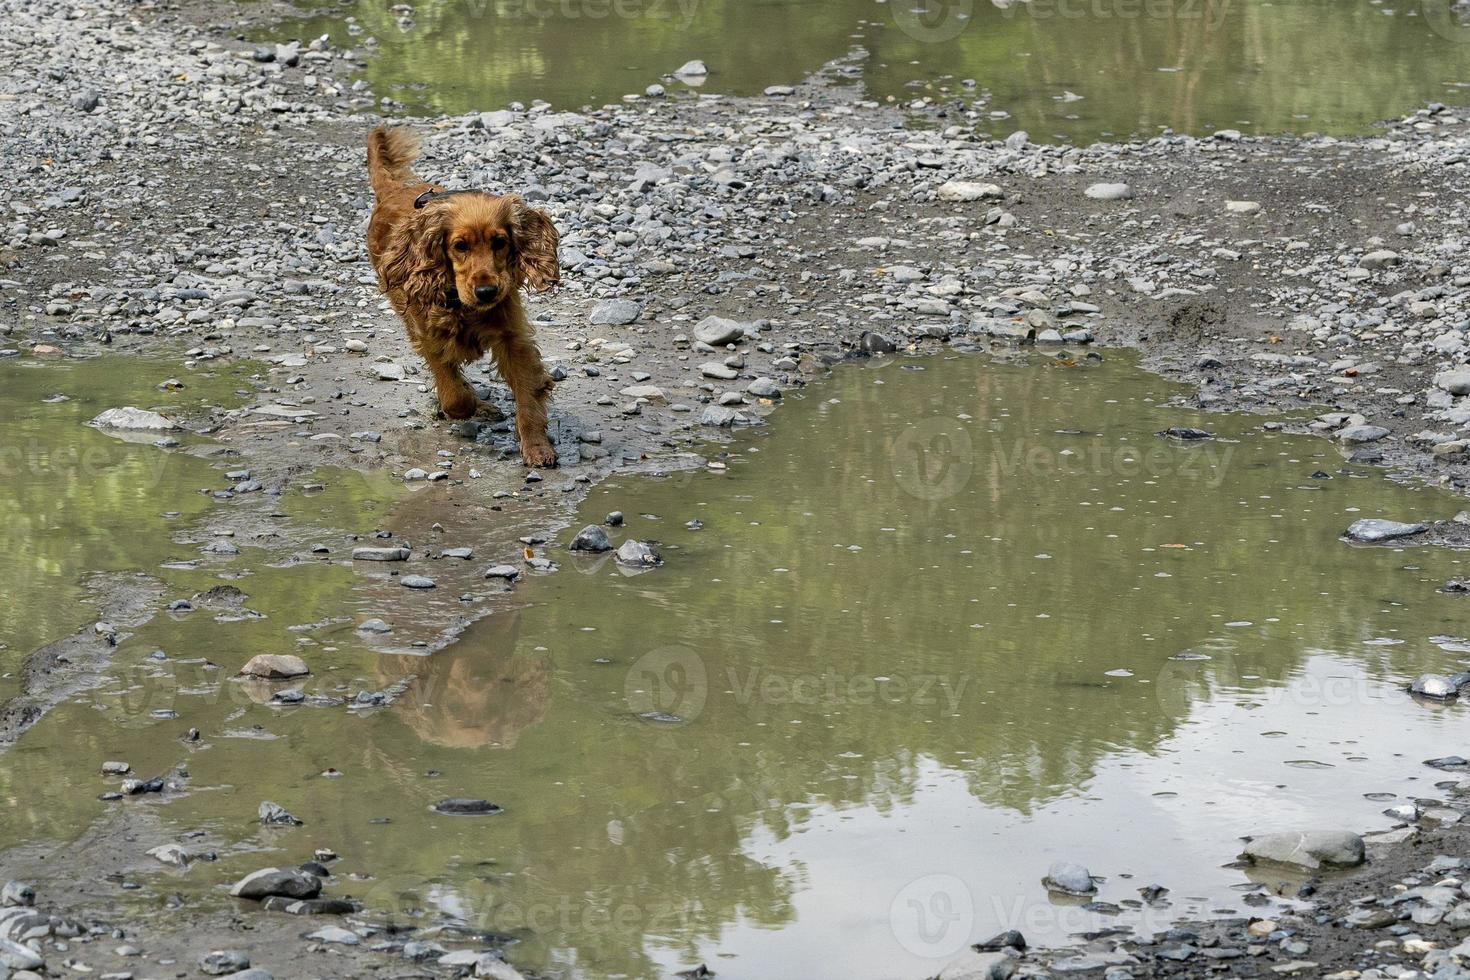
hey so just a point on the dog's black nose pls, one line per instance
(486, 294)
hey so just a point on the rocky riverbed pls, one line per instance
(173, 191)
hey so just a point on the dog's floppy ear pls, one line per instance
(535, 243)
(415, 260)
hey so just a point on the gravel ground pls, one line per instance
(172, 191)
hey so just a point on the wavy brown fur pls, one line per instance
(454, 270)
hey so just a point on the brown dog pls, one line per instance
(452, 264)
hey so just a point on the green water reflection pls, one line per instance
(76, 501)
(1330, 66)
(949, 621)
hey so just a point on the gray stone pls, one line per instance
(1358, 434)
(1382, 258)
(223, 961)
(1435, 686)
(967, 190)
(1373, 529)
(1307, 849)
(636, 554)
(1109, 192)
(287, 882)
(616, 313)
(335, 934)
(763, 388)
(171, 854)
(973, 965)
(1456, 381)
(275, 666)
(380, 554)
(276, 815)
(718, 331)
(17, 894)
(721, 372)
(591, 538)
(15, 956)
(1069, 878)
(135, 419)
(416, 582)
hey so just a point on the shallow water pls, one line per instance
(1328, 66)
(78, 501)
(947, 622)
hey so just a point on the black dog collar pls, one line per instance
(430, 196)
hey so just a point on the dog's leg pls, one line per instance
(519, 363)
(456, 397)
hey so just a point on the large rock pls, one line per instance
(1359, 434)
(1069, 878)
(591, 538)
(287, 882)
(967, 190)
(380, 554)
(1379, 259)
(1456, 381)
(637, 554)
(15, 956)
(223, 961)
(718, 331)
(132, 419)
(275, 666)
(1373, 529)
(1307, 849)
(616, 313)
(1109, 192)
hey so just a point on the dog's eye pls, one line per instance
(461, 246)
(499, 242)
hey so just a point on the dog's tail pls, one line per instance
(391, 153)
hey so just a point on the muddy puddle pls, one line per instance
(1075, 70)
(951, 620)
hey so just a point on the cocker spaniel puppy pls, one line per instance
(452, 263)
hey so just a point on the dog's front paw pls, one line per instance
(459, 406)
(538, 454)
